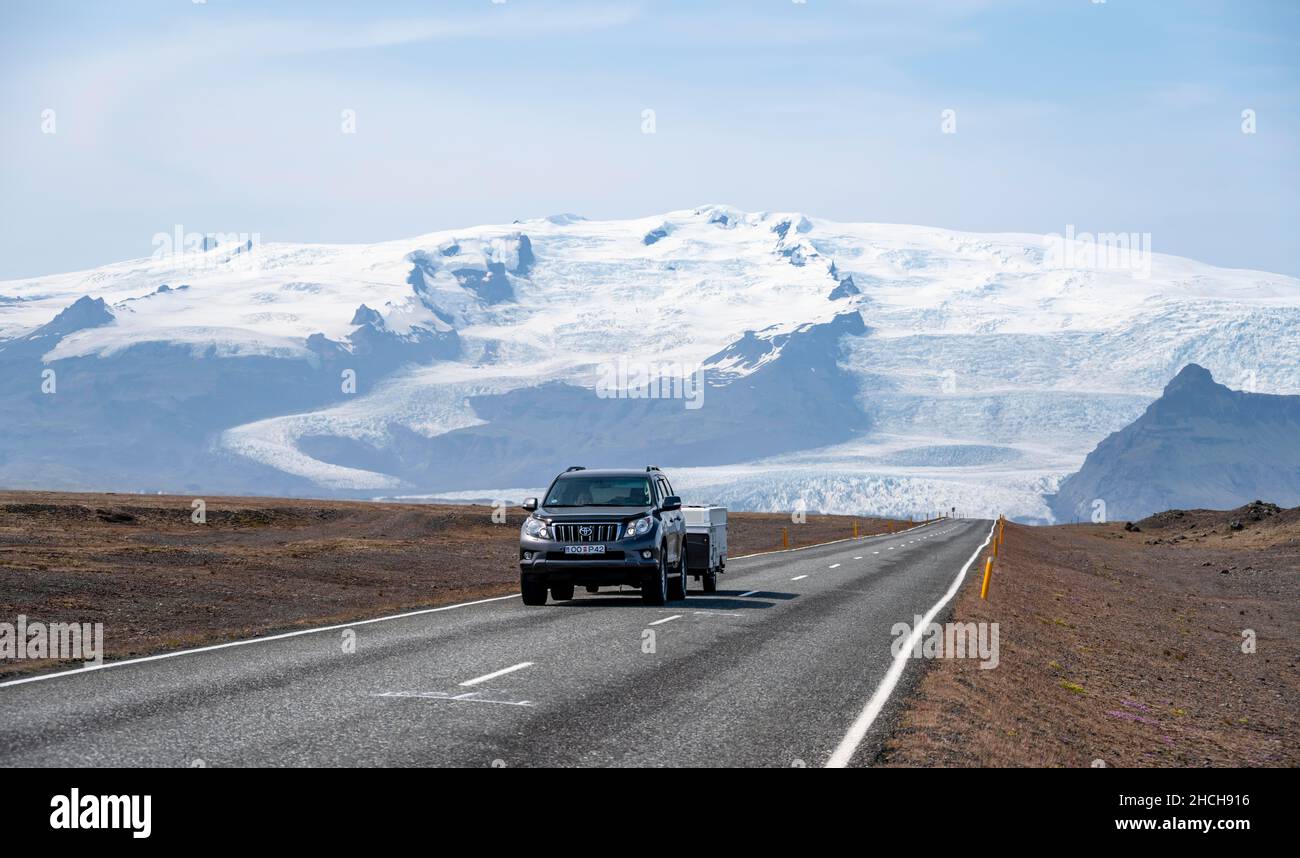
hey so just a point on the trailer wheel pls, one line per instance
(710, 581)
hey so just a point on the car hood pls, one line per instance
(592, 513)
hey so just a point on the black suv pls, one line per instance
(602, 528)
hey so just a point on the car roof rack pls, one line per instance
(574, 468)
(651, 467)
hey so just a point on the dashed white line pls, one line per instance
(833, 566)
(494, 674)
(457, 698)
(798, 577)
(666, 620)
(859, 557)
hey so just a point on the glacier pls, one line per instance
(848, 367)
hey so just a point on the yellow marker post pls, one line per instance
(996, 543)
(855, 530)
(785, 537)
(988, 573)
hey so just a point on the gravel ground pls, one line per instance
(1125, 646)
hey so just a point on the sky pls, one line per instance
(120, 121)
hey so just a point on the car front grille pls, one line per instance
(594, 532)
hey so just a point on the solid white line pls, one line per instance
(160, 656)
(833, 566)
(666, 620)
(494, 674)
(798, 577)
(750, 593)
(849, 744)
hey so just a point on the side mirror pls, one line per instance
(530, 504)
(671, 503)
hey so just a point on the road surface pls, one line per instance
(775, 669)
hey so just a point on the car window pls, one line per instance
(599, 491)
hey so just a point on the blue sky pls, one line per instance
(226, 117)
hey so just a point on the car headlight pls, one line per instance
(640, 527)
(536, 528)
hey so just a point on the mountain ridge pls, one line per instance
(987, 371)
(1200, 445)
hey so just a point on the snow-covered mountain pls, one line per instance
(1200, 445)
(846, 367)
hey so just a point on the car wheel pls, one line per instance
(534, 592)
(654, 590)
(591, 589)
(562, 592)
(711, 581)
(678, 587)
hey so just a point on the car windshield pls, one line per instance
(600, 491)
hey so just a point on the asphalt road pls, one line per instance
(772, 670)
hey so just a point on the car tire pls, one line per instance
(533, 592)
(711, 581)
(592, 589)
(654, 590)
(677, 590)
(562, 592)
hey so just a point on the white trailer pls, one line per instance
(706, 543)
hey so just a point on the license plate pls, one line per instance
(584, 549)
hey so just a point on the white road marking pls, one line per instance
(455, 698)
(750, 593)
(859, 557)
(798, 577)
(815, 545)
(833, 566)
(665, 620)
(106, 665)
(849, 744)
(494, 674)
(875, 552)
